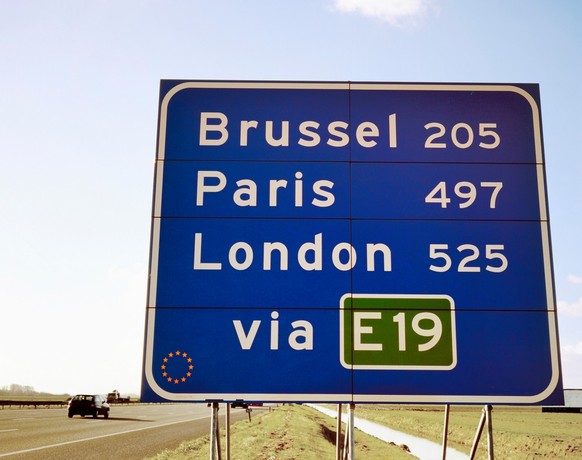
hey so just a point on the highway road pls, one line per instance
(131, 432)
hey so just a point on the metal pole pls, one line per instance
(490, 452)
(218, 450)
(215, 453)
(212, 433)
(477, 435)
(346, 450)
(352, 440)
(227, 422)
(338, 434)
(446, 431)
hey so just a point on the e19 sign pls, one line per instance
(350, 242)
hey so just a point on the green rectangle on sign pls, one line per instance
(382, 331)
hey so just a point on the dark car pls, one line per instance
(88, 405)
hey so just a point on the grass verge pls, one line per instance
(519, 433)
(290, 432)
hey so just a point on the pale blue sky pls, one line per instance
(78, 114)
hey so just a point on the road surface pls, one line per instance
(131, 432)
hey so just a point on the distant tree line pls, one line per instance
(19, 390)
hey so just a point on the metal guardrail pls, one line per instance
(36, 404)
(46, 404)
(562, 409)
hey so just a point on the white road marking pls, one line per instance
(98, 437)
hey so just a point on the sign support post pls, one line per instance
(485, 417)
(338, 434)
(215, 453)
(227, 421)
(490, 451)
(446, 431)
(350, 444)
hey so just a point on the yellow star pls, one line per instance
(176, 381)
(163, 366)
(165, 360)
(171, 355)
(190, 367)
(189, 360)
(164, 374)
(177, 352)
(184, 354)
(183, 379)
(169, 379)
(188, 374)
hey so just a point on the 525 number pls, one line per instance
(471, 254)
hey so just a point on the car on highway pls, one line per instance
(85, 404)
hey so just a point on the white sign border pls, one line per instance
(356, 398)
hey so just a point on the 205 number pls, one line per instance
(462, 136)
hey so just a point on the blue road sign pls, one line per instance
(350, 242)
